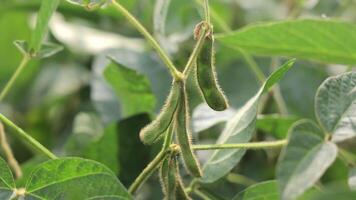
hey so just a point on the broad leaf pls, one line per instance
(335, 106)
(93, 141)
(7, 184)
(133, 89)
(304, 160)
(352, 179)
(322, 40)
(239, 130)
(74, 178)
(275, 124)
(267, 190)
(204, 117)
(47, 9)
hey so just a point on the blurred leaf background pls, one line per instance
(67, 103)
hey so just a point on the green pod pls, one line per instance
(184, 137)
(153, 131)
(168, 178)
(206, 77)
(180, 193)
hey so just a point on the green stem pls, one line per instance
(240, 179)
(251, 145)
(133, 21)
(201, 194)
(206, 11)
(12, 80)
(253, 66)
(347, 157)
(147, 172)
(196, 50)
(27, 138)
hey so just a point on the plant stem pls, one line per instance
(253, 66)
(206, 11)
(251, 145)
(147, 172)
(12, 80)
(202, 195)
(133, 21)
(27, 138)
(240, 179)
(8, 153)
(196, 50)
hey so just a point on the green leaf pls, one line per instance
(133, 89)
(93, 141)
(335, 106)
(304, 160)
(7, 183)
(89, 4)
(47, 9)
(239, 130)
(74, 178)
(275, 124)
(267, 190)
(322, 40)
(352, 179)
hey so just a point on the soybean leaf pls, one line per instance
(74, 178)
(7, 183)
(47, 9)
(93, 141)
(322, 40)
(267, 190)
(133, 89)
(89, 4)
(275, 124)
(352, 179)
(239, 129)
(304, 160)
(335, 106)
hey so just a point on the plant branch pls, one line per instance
(9, 154)
(133, 21)
(201, 194)
(147, 172)
(198, 46)
(13, 78)
(251, 145)
(27, 138)
(207, 11)
(240, 179)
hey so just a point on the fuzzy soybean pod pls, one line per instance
(168, 178)
(184, 137)
(207, 79)
(153, 131)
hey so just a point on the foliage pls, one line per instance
(258, 99)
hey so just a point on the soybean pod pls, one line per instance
(152, 132)
(168, 177)
(206, 76)
(184, 137)
(180, 192)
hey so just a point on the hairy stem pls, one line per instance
(12, 80)
(207, 11)
(202, 195)
(251, 145)
(9, 154)
(196, 50)
(27, 138)
(147, 172)
(133, 21)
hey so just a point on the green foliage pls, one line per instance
(304, 160)
(135, 98)
(335, 106)
(83, 104)
(321, 40)
(239, 129)
(44, 15)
